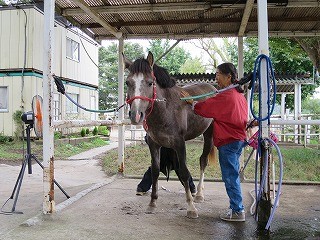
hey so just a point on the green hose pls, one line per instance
(199, 96)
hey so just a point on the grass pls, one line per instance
(13, 152)
(300, 164)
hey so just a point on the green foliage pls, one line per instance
(3, 3)
(95, 131)
(299, 163)
(5, 139)
(287, 57)
(103, 130)
(57, 135)
(18, 133)
(108, 66)
(14, 151)
(312, 106)
(87, 131)
(83, 132)
(193, 65)
(173, 60)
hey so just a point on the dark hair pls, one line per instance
(229, 68)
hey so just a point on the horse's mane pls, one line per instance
(163, 78)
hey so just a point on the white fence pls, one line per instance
(303, 131)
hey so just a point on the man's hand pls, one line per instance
(252, 123)
(194, 103)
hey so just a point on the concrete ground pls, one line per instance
(103, 207)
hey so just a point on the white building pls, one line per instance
(21, 65)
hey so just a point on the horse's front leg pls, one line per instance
(155, 171)
(192, 212)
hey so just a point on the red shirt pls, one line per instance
(229, 110)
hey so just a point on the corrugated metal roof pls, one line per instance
(187, 19)
(285, 83)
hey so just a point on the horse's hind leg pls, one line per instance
(207, 146)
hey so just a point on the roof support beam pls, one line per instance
(207, 35)
(245, 17)
(88, 10)
(142, 8)
(199, 21)
(172, 7)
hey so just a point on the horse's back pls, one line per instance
(199, 89)
(196, 124)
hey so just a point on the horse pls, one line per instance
(154, 100)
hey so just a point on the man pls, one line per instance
(168, 162)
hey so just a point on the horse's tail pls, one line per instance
(213, 156)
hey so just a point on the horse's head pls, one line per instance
(141, 89)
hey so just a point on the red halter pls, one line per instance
(152, 100)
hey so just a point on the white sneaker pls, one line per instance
(231, 216)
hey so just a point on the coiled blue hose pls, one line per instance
(260, 119)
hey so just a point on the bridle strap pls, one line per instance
(152, 100)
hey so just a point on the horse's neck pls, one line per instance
(168, 100)
(169, 93)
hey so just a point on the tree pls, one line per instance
(312, 47)
(193, 65)
(216, 53)
(173, 60)
(108, 72)
(312, 106)
(287, 57)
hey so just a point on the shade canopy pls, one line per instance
(187, 19)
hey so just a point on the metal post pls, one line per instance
(283, 111)
(264, 207)
(121, 130)
(240, 57)
(297, 111)
(240, 75)
(48, 147)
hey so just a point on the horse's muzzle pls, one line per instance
(136, 117)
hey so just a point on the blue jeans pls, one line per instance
(229, 163)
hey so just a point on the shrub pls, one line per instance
(5, 139)
(95, 131)
(83, 132)
(103, 130)
(87, 131)
(18, 133)
(57, 135)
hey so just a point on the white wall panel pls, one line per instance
(12, 53)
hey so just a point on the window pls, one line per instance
(70, 106)
(73, 50)
(56, 106)
(93, 106)
(3, 99)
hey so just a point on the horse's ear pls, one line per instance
(127, 62)
(150, 59)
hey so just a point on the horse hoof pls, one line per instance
(198, 199)
(192, 214)
(150, 210)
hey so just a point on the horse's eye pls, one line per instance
(127, 83)
(150, 84)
